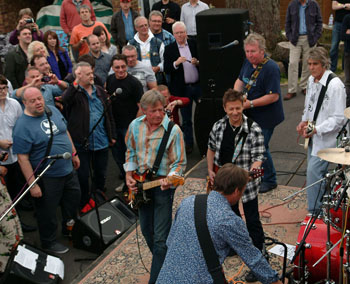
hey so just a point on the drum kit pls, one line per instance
(323, 247)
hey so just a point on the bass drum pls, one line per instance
(336, 217)
(315, 249)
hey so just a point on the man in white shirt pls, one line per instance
(328, 122)
(189, 11)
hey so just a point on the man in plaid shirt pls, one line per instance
(237, 139)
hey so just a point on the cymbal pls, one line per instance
(335, 155)
(347, 112)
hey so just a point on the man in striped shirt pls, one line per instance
(143, 140)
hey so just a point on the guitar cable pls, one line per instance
(139, 249)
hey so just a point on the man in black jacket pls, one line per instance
(85, 103)
(181, 62)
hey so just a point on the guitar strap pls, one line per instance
(161, 149)
(321, 96)
(205, 240)
(254, 76)
(48, 113)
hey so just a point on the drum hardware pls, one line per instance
(327, 176)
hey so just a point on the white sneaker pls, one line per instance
(119, 189)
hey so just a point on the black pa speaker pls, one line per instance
(115, 219)
(220, 35)
(18, 267)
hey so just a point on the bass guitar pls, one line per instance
(142, 195)
(253, 174)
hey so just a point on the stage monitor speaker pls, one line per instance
(220, 35)
(17, 271)
(207, 112)
(115, 219)
(219, 65)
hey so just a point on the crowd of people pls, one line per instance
(125, 92)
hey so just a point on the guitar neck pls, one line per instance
(151, 184)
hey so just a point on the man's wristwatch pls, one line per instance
(251, 104)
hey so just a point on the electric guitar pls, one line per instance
(253, 174)
(142, 195)
(309, 129)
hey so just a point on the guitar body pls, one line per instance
(143, 184)
(141, 196)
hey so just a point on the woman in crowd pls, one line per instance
(59, 60)
(26, 18)
(36, 48)
(106, 45)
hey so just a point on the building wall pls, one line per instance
(9, 12)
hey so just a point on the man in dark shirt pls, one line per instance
(171, 13)
(126, 92)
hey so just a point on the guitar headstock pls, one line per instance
(176, 180)
(256, 172)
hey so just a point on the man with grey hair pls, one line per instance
(182, 64)
(263, 103)
(83, 30)
(189, 11)
(59, 185)
(150, 49)
(155, 19)
(321, 124)
(91, 123)
(139, 69)
(143, 141)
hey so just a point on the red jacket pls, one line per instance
(175, 113)
(69, 16)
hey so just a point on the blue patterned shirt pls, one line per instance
(184, 261)
(142, 148)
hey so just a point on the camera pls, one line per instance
(46, 79)
(29, 21)
(168, 113)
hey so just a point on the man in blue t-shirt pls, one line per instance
(59, 185)
(263, 104)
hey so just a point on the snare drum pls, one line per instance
(315, 248)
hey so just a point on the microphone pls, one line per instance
(64, 156)
(233, 43)
(117, 92)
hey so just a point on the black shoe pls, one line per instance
(266, 187)
(56, 247)
(27, 228)
(250, 277)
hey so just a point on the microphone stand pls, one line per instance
(28, 188)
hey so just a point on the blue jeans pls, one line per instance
(119, 149)
(316, 169)
(335, 45)
(96, 162)
(155, 221)
(269, 177)
(63, 191)
(193, 92)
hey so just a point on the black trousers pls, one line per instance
(57, 191)
(251, 213)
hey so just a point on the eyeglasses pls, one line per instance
(3, 89)
(156, 21)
